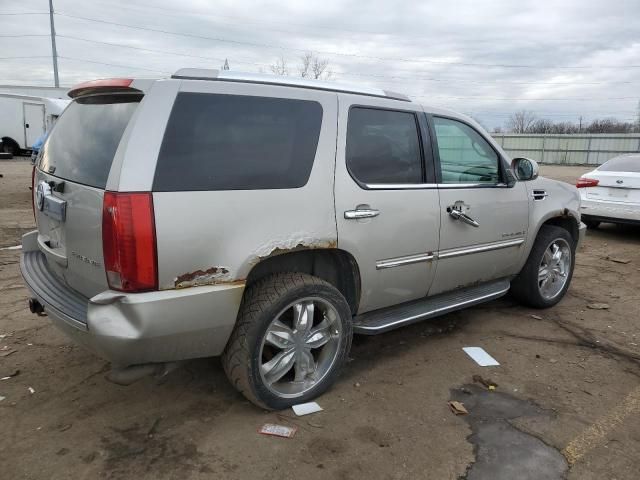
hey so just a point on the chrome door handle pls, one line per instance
(361, 213)
(463, 217)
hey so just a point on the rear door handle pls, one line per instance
(361, 213)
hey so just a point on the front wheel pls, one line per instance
(547, 274)
(291, 339)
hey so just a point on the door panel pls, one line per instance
(483, 221)
(390, 227)
(492, 250)
(33, 123)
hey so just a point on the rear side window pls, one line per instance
(233, 142)
(84, 141)
(383, 147)
(625, 163)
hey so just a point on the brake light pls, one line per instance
(33, 184)
(129, 241)
(102, 85)
(587, 182)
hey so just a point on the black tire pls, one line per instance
(525, 288)
(261, 303)
(591, 224)
(10, 147)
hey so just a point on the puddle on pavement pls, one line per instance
(502, 451)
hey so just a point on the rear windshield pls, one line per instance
(629, 163)
(82, 145)
(234, 142)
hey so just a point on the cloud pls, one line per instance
(465, 55)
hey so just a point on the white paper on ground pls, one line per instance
(306, 408)
(17, 247)
(481, 357)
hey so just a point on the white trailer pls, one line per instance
(24, 118)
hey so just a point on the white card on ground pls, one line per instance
(481, 357)
(306, 408)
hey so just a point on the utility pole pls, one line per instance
(54, 52)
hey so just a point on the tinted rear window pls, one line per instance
(85, 138)
(630, 163)
(232, 142)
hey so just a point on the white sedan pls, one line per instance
(611, 192)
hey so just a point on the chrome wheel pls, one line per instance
(300, 347)
(554, 269)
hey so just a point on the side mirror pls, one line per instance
(525, 169)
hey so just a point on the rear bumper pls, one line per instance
(610, 211)
(131, 329)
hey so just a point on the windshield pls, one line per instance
(84, 140)
(626, 163)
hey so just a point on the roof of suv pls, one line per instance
(227, 76)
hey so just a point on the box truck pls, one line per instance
(24, 118)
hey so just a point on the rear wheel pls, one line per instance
(9, 146)
(547, 274)
(292, 337)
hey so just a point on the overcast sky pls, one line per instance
(560, 59)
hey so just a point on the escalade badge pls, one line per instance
(42, 191)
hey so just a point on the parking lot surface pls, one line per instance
(566, 405)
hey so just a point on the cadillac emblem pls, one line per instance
(41, 192)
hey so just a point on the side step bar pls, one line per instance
(385, 319)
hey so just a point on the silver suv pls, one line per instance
(267, 219)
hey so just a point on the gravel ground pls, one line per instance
(568, 384)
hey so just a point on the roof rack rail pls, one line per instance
(226, 76)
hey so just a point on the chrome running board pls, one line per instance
(385, 319)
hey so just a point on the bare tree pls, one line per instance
(311, 66)
(280, 67)
(314, 67)
(305, 68)
(542, 125)
(599, 125)
(521, 121)
(609, 125)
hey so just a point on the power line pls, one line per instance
(25, 35)
(131, 67)
(244, 22)
(410, 94)
(163, 52)
(342, 74)
(25, 56)
(483, 97)
(352, 55)
(24, 13)
(451, 79)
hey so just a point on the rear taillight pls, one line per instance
(587, 182)
(33, 182)
(129, 241)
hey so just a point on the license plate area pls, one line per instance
(618, 193)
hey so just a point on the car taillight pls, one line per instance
(587, 182)
(33, 181)
(129, 241)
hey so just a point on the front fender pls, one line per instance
(562, 202)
